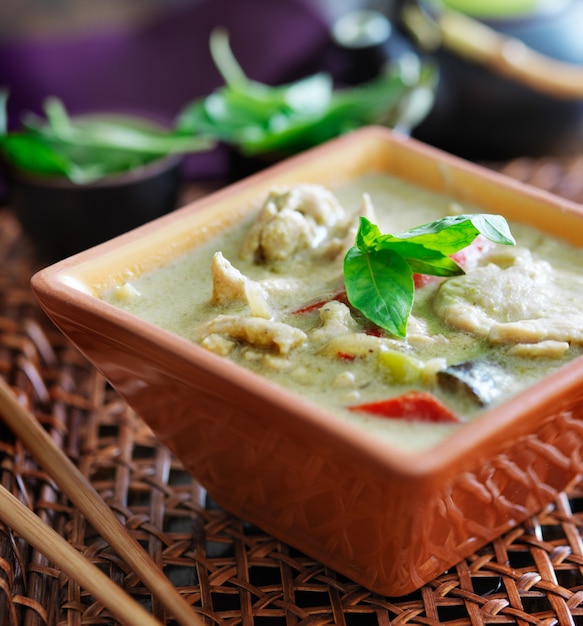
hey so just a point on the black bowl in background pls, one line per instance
(481, 115)
(62, 218)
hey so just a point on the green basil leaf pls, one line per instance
(493, 227)
(113, 135)
(380, 285)
(452, 233)
(367, 235)
(421, 259)
(282, 120)
(437, 266)
(424, 260)
(33, 154)
(87, 148)
(311, 95)
(57, 117)
(225, 60)
(378, 270)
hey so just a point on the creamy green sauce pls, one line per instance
(178, 297)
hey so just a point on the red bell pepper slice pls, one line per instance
(340, 296)
(420, 406)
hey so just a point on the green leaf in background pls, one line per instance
(33, 154)
(261, 119)
(88, 148)
(378, 269)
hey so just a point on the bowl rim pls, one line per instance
(62, 281)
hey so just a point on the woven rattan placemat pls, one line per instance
(230, 572)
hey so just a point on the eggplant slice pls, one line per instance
(481, 380)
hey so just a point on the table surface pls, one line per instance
(230, 572)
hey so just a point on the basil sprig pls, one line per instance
(261, 119)
(85, 149)
(378, 270)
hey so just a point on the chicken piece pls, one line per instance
(314, 201)
(355, 345)
(506, 256)
(288, 232)
(525, 302)
(344, 381)
(230, 285)
(341, 245)
(336, 320)
(300, 218)
(257, 300)
(543, 349)
(218, 344)
(251, 247)
(228, 281)
(566, 328)
(258, 332)
(281, 285)
(419, 334)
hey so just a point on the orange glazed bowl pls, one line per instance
(389, 520)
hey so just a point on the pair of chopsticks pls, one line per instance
(79, 490)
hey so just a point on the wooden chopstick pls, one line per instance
(30, 527)
(81, 492)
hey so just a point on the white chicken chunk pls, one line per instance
(291, 220)
(524, 301)
(218, 344)
(543, 349)
(340, 245)
(255, 331)
(336, 320)
(355, 345)
(230, 285)
(228, 281)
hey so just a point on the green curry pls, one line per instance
(271, 296)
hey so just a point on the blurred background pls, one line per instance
(152, 56)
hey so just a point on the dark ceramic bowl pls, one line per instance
(62, 218)
(481, 115)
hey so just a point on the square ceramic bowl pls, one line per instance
(388, 520)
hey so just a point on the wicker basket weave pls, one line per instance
(230, 572)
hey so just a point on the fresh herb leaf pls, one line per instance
(88, 148)
(260, 119)
(380, 285)
(33, 154)
(367, 235)
(378, 269)
(459, 232)
(225, 60)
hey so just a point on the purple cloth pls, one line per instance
(158, 67)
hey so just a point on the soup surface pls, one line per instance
(269, 295)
